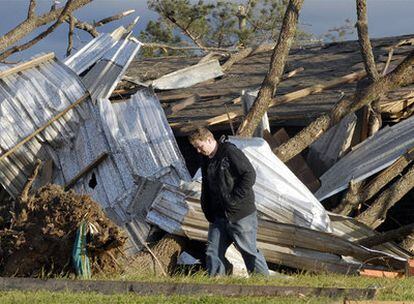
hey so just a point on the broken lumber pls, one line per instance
(27, 65)
(317, 88)
(181, 105)
(283, 237)
(289, 97)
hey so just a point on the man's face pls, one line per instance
(205, 147)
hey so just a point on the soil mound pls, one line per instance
(42, 233)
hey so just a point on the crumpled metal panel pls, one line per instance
(102, 79)
(90, 53)
(141, 131)
(279, 194)
(189, 76)
(371, 156)
(106, 182)
(28, 100)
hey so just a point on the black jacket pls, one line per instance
(227, 187)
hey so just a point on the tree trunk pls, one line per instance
(375, 215)
(392, 235)
(277, 65)
(374, 121)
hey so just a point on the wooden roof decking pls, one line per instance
(320, 63)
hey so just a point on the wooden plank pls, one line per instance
(298, 164)
(381, 274)
(154, 288)
(86, 170)
(27, 65)
(182, 104)
(289, 97)
(42, 128)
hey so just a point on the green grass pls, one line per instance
(389, 289)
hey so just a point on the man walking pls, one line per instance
(227, 200)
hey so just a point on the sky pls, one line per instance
(385, 17)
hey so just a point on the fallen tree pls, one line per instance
(402, 75)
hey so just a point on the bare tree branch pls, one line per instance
(364, 42)
(277, 65)
(84, 26)
(68, 7)
(184, 29)
(177, 47)
(29, 25)
(113, 18)
(244, 53)
(70, 35)
(32, 8)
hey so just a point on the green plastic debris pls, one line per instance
(79, 255)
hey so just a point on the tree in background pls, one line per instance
(219, 24)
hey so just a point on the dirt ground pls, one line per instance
(39, 240)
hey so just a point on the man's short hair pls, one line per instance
(201, 134)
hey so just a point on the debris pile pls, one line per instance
(117, 148)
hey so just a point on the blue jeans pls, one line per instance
(222, 233)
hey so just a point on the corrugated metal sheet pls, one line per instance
(280, 195)
(28, 100)
(325, 151)
(90, 53)
(102, 79)
(140, 130)
(189, 76)
(371, 156)
(137, 137)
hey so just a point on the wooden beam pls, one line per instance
(168, 289)
(86, 170)
(27, 65)
(42, 128)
